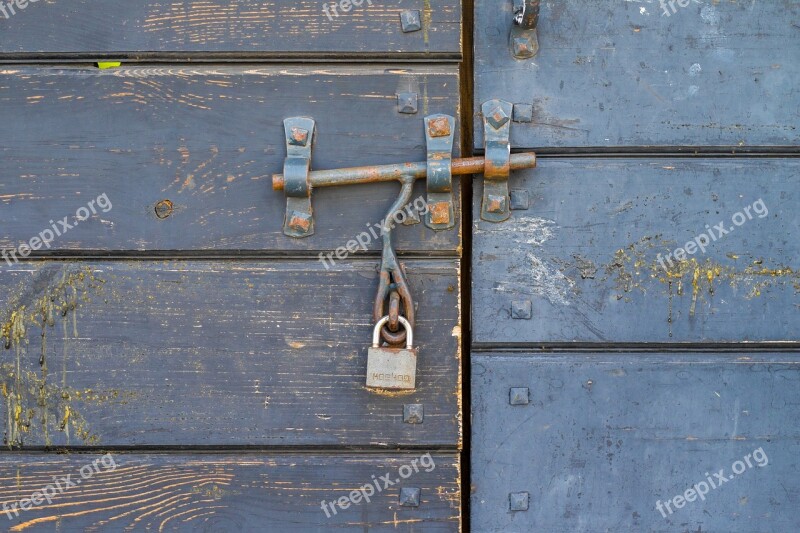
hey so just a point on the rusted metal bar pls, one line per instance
(378, 173)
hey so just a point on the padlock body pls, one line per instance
(392, 368)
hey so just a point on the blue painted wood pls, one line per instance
(244, 29)
(592, 254)
(636, 74)
(217, 353)
(225, 492)
(208, 139)
(606, 436)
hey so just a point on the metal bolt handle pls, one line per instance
(380, 173)
(376, 333)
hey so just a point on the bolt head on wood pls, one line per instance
(413, 413)
(299, 221)
(520, 200)
(439, 127)
(518, 396)
(521, 310)
(410, 20)
(523, 112)
(407, 103)
(518, 501)
(299, 137)
(409, 496)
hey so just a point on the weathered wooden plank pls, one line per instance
(213, 353)
(276, 492)
(242, 28)
(605, 437)
(709, 74)
(208, 140)
(592, 254)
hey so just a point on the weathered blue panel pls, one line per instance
(644, 74)
(594, 257)
(208, 140)
(225, 29)
(258, 492)
(605, 437)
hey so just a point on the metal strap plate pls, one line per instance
(439, 134)
(496, 131)
(299, 221)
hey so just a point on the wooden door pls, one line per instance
(635, 322)
(211, 368)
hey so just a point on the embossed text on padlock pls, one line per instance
(392, 368)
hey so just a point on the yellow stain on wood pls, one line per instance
(28, 392)
(633, 266)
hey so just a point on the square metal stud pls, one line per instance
(520, 200)
(521, 310)
(299, 221)
(413, 413)
(519, 396)
(497, 117)
(496, 203)
(410, 20)
(409, 496)
(407, 103)
(518, 501)
(523, 113)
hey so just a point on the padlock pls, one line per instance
(392, 368)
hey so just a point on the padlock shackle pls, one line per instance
(376, 333)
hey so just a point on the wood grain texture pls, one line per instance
(238, 28)
(606, 436)
(628, 75)
(208, 140)
(218, 353)
(249, 493)
(592, 254)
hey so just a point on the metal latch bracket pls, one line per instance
(524, 39)
(439, 134)
(299, 220)
(495, 206)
